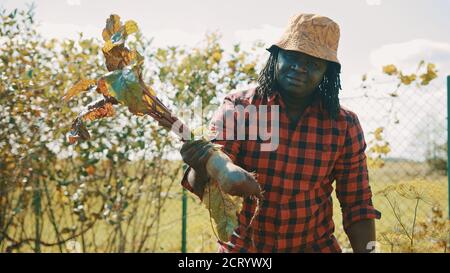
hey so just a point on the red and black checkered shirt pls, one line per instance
(297, 178)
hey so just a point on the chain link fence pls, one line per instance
(407, 157)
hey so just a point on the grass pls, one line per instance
(202, 239)
(200, 235)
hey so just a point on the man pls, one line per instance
(319, 142)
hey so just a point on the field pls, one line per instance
(156, 224)
(435, 190)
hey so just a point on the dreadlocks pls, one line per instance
(328, 88)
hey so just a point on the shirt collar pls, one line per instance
(275, 97)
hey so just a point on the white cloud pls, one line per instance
(373, 2)
(408, 54)
(73, 2)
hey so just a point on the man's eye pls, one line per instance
(314, 64)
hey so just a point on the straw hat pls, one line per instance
(312, 34)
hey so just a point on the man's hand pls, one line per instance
(196, 155)
(361, 234)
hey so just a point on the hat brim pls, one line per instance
(272, 48)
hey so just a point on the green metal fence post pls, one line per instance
(183, 218)
(448, 151)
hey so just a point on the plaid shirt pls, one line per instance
(297, 178)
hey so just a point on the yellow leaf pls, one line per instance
(151, 91)
(136, 57)
(385, 149)
(378, 133)
(390, 69)
(104, 110)
(118, 57)
(223, 208)
(232, 64)
(375, 163)
(105, 35)
(115, 22)
(217, 56)
(150, 101)
(108, 46)
(248, 68)
(407, 79)
(130, 27)
(430, 75)
(112, 26)
(81, 86)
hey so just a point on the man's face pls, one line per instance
(299, 74)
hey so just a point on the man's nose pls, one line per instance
(300, 67)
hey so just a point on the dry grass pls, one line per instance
(202, 239)
(167, 236)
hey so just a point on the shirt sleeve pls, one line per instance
(222, 133)
(352, 179)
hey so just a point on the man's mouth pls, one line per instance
(295, 81)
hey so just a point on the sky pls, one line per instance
(373, 32)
